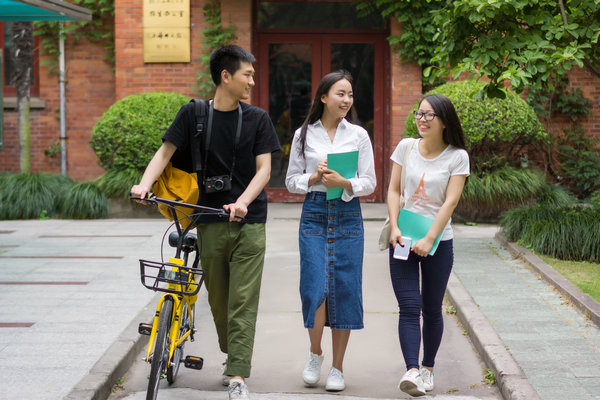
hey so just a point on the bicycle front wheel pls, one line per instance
(161, 348)
(185, 326)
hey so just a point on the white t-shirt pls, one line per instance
(427, 179)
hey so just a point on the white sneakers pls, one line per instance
(412, 383)
(312, 371)
(427, 377)
(335, 380)
(312, 374)
(238, 390)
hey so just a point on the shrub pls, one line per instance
(487, 195)
(579, 156)
(130, 131)
(117, 183)
(28, 196)
(494, 128)
(567, 233)
(84, 201)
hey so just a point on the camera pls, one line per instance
(214, 184)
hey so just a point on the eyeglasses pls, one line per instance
(428, 116)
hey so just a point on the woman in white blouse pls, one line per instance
(331, 232)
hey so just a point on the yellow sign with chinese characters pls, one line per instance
(166, 31)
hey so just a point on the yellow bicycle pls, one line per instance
(173, 322)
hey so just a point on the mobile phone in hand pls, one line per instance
(400, 252)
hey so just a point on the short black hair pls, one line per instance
(228, 58)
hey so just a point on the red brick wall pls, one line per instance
(133, 76)
(405, 91)
(89, 92)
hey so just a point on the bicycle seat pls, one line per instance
(188, 241)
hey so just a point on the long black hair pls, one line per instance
(317, 106)
(444, 110)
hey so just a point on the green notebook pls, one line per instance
(344, 164)
(416, 227)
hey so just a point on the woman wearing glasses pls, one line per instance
(437, 166)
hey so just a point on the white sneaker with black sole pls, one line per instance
(412, 383)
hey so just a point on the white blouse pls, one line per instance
(348, 137)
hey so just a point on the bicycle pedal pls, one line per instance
(193, 362)
(144, 329)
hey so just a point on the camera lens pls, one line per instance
(219, 184)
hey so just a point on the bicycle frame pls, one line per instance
(179, 302)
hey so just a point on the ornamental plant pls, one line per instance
(129, 133)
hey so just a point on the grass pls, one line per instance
(584, 275)
(567, 233)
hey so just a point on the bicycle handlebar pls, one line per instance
(152, 198)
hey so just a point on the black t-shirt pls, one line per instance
(257, 137)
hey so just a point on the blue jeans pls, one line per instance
(412, 299)
(331, 242)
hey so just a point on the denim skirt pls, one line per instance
(331, 240)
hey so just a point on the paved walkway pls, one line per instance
(58, 279)
(556, 347)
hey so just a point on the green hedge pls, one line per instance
(40, 196)
(489, 194)
(129, 133)
(567, 233)
(492, 127)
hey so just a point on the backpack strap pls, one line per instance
(195, 139)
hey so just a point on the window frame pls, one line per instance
(10, 90)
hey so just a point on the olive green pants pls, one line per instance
(232, 256)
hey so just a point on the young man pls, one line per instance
(232, 253)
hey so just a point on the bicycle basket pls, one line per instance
(171, 278)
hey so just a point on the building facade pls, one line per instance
(295, 43)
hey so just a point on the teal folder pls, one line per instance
(344, 164)
(416, 227)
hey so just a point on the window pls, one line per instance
(314, 15)
(8, 70)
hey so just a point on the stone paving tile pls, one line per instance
(557, 348)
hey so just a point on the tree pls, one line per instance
(524, 42)
(22, 36)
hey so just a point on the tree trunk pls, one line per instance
(22, 53)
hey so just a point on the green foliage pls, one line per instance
(495, 129)
(520, 41)
(29, 196)
(579, 156)
(84, 201)
(117, 183)
(215, 36)
(489, 376)
(556, 97)
(130, 131)
(567, 233)
(416, 41)
(487, 195)
(100, 29)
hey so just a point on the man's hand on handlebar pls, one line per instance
(140, 192)
(237, 211)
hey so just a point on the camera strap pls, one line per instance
(238, 133)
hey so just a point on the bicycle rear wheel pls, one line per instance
(161, 348)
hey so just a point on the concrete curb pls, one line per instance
(583, 302)
(510, 378)
(116, 361)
